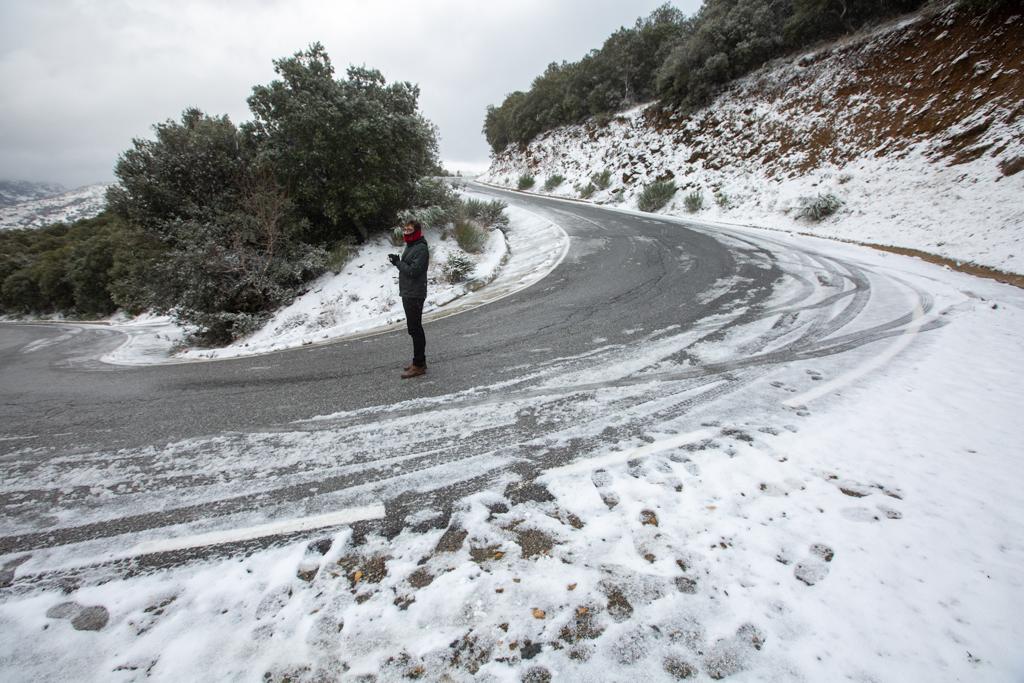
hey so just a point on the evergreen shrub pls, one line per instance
(471, 238)
(339, 255)
(656, 195)
(457, 268)
(819, 207)
(694, 201)
(601, 179)
(553, 182)
(489, 214)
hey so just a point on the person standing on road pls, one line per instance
(412, 287)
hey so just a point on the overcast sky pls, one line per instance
(81, 78)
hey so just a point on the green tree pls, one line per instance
(499, 123)
(619, 74)
(813, 20)
(50, 273)
(229, 248)
(191, 171)
(348, 152)
(683, 62)
(19, 292)
(727, 39)
(88, 263)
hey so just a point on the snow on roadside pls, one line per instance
(968, 212)
(363, 297)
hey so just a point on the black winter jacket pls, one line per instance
(412, 270)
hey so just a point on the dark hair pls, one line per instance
(415, 224)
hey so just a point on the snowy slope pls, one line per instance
(66, 207)
(917, 128)
(18, 191)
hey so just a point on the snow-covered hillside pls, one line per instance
(18, 191)
(65, 207)
(916, 127)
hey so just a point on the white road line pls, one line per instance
(588, 464)
(288, 526)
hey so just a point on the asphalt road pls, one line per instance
(647, 326)
(623, 273)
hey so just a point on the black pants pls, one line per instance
(414, 323)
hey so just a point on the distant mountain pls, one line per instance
(41, 204)
(18, 191)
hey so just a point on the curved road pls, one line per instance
(624, 273)
(647, 327)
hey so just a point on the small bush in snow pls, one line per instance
(473, 208)
(458, 267)
(292, 322)
(339, 256)
(602, 179)
(217, 329)
(656, 195)
(471, 238)
(553, 182)
(694, 201)
(488, 214)
(525, 181)
(587, 191)
(819, 207)
(723, 201)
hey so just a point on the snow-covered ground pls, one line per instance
(914, 127)
(363, 297)
(850, 514)
(19, 191)
(904, 202)
(66, 207)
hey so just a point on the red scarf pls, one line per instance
(409, 239)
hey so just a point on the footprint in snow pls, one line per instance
(734, 654)
(662, 466)
(309, 566)
(855, 489)
(800, 410)
(815, 568)
(635, 468)
(83, 618)
(863, 514)
(601, 480)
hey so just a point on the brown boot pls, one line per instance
(414, 371)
